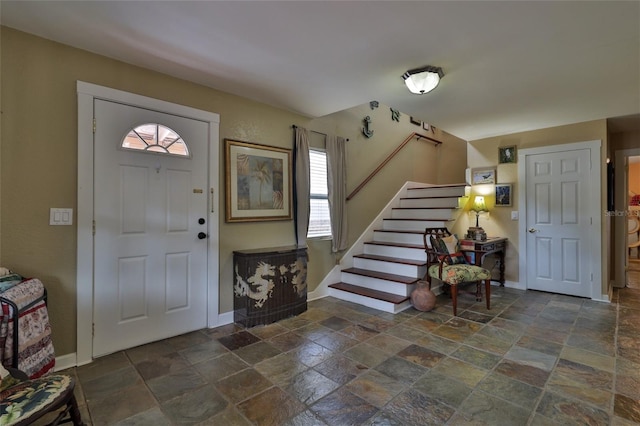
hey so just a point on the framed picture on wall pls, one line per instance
(483, 176)
(258, 182)
(503, 194)
(507, 154)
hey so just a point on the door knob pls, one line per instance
(532, 230)
(202, 235)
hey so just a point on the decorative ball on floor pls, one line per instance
(422, 298)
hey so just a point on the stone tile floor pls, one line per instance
(533, 359)
(633, 276)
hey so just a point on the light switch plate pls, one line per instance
(514, 215)
(60, 216)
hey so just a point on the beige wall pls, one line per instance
(418, 161)
(39, 163)
(484, 152)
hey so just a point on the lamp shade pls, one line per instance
(479, 204)
(422, 80)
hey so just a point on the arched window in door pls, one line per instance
(157, 138)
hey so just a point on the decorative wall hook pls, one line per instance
(395, 114)
(365, 130)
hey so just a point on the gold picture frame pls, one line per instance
(483, 176)
(504, 194)
(258, 182)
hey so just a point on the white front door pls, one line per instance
(150, 214)
(558, 222)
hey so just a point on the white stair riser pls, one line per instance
(427, 214)
(421, 207)
(369, 302)
(413, 225)
(393, 251)
(398, 237)
(389, 267)
(429, 202)
(436, 192)
(377, 284)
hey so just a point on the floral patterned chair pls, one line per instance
(447, 263)
(23, 401)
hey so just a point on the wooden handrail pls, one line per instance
(406, 141)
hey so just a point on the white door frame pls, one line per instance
(87, 92)
(595, 211)
(621, 176)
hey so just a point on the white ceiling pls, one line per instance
(509, 66)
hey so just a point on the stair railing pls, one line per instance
(384, 163)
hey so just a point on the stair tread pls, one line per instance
(399, 231)
(448, 185)
(423, 220)
(375, 294)
(404, 245)
(431, 197)
(403, 279)
(401, 260)
(423, 208)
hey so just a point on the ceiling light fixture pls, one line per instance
(422, 80)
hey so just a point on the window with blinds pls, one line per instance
(319, 219)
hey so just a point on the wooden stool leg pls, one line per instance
(487, 287)
(454, 298)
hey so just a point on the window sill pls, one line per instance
(323, 238)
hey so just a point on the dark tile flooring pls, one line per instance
(633, 274)
(533, 359)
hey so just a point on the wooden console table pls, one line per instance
(476, 251)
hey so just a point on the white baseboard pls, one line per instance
(514, 284)
(64, 362)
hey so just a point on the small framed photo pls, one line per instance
(483, 176)
(503, 195)
(258, 182)
(507, 154)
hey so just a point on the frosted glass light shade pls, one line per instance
(422, 80)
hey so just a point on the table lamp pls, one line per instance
(479, 206)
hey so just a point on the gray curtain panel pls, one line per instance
(337, 182)
(302, 185)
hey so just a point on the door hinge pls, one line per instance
(93, 227)
(94, 125)
(93, 329)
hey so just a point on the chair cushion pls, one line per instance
(29, 398)
(457, 274)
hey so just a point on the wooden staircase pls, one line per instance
(384, 276)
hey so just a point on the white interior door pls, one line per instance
(150, 214)
(558, 222)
